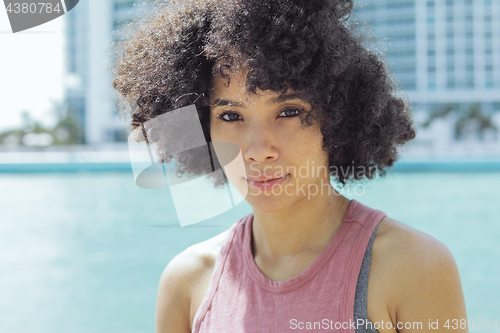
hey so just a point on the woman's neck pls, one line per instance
(306, 226)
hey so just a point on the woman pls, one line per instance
(293, 87)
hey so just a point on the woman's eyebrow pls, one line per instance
(285, 97)
(274, 100)
(224, 102)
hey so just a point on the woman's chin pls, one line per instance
(268, 203)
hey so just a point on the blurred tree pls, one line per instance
(67, 130)
(439, 112)
(474, 118)
(470, 120)
(28, 122)
(11, 137)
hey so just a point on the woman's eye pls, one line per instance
(288, 113)
(230, 116)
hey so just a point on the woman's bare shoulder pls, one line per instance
(408, 254)
(415, 271)
(393, 234)
(402, 242)
(198, 257)
(180, 280)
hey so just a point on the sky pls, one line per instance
(31, 71)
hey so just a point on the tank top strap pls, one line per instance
(365, 221)
(361, 298)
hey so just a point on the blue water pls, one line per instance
(83, 252)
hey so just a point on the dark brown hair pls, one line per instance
(167, 61)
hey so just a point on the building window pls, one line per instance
(399, 4)
(367, 7)
(408, 85)
(400, 53)
(400, 21)
(404, 37)
(410, 69)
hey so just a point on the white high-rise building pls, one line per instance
(442, 52)
(90, 27)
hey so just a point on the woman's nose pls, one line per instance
(260, 145)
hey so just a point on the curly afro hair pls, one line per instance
(168, 60)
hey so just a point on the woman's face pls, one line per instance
(274, 144)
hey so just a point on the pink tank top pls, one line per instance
(320, 299)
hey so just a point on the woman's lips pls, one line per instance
(267, 185)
